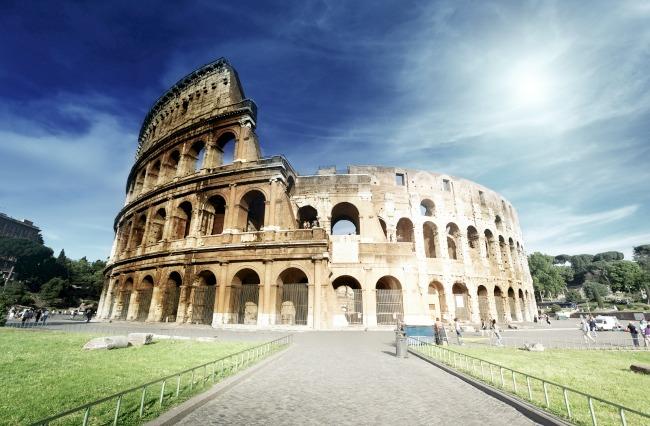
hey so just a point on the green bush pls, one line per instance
(555, 308)
(3, 310)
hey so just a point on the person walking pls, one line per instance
(592, 326)
(494, 327)
(646, 336)
(634, 332)
(46, 315)
(459, 331)
(89, 314)
(584, 326)
(38, 316)
(548, 319)
(483, 327)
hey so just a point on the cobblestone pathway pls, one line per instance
(352, 378)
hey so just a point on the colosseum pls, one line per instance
(212, 232)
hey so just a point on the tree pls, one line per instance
(573, 296)
(547, 278)
(624, 275)
(595, 291)
(56, 292)
(15, 293)
(609, 256)
(641, 255)
(34, 262)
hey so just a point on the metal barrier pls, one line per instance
(208, 372)
(607, 342)
(583, 411)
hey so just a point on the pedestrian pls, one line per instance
(592, 326)
(646, 336)
(46, 315)
(74, 314)
(483, 327)
(548, 319)
(494, 327)
(584, 326)
(38, 316)
(535, 319)
(89, 314)
(634, 333)
(459, 331)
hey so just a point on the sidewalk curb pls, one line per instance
(181, 411)
(529, 410)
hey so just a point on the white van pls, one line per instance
(604, 323)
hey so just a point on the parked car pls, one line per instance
(604, 323)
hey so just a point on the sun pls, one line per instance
(529, 85)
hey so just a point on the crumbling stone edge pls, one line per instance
(529, 410)
(177, 413)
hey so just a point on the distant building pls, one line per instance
(14, 228)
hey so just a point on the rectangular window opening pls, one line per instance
(481, 197)
(446, 185)
(399, 179)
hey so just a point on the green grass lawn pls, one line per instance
(604, 374)
(44, 372)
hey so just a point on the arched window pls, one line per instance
(307, 217)
(404, 231)
(483, 304)
(226, 149)
(389, 300)
(461, 301)
(138, 230)
(349, 298)
(125, 232)
(427, 208)
(473, 242)
(139, 182)
(213, 216)
(173, 163)
(293, 297)
(251, 213)
(430, 233)
(244, 296)
(345, 219)
(453, 233)
(489, 244)
(498, 222)
(382, 223)
(171, 297)
(197, 156)
(202, 298)
(143, 298)
(153, 175)
(157, 227)
(437, 301)
(183, 220)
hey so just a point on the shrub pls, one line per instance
(555, 308)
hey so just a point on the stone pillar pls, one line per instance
(492, 305)
(183, 301)
(316, 320)
(232, 207)
(475, 312)
(212, 155)
(221, 313)
(132, 313)
(246, 146)
(266, 309)
(106, 299)
(270, 219)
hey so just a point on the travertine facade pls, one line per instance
(246, 241)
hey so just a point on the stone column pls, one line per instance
(133, 304)
(475, 312)
(316, 320)
(221, 316)
(232, 207)
(183, 301)
(266, 310)
(269, 214)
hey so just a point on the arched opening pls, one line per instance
(345, 220)
(196, 156)
(404, 231)
(522, 305)
(125, 232)
(143, 298)
(437, 301)
(389, 300)
(251, 211)
(183, 220)
(511, 304)
(461, 302)
(498, 222)
(489, 245)
(427, 208)
(453, 233)
(430, 233)
(154, 174)
(503, 247)
(139, 182)
(213, 216)
(513, 253)
(499, 301)
(157, 227)
(349, 298)
(226, 149)
(473, 242)
(138, 230)
(124, 299)
(483, 303)
(244, 296)
(307, 217)
(382, 224)
(172, 164)
(293, 297)
(202, 298)
(171, 296)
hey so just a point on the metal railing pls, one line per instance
(550, 396)
(619, 341)
(154, 394)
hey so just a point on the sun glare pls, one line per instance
(529, 85)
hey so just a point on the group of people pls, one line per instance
(642, 329)
(440, 332)
(27, 314)
(588, 327)
(308, 225)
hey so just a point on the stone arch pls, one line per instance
(404, 230)
(498, 223)
(473, 243)
(251, 211)
(427, 208)
(500, 301)
(170, 297)
(293, 297)
(173, 163)
(153, 174)
(244, 296)
(346, 216)
(125, 232)
(522, 304)
(349, 298)
(138, 230)
(389, 303)
(182, 220)
(513, 253)
(512, 304)
(453, 234)
(307, 217)
(157, 227)
(437, 301)
(143, 298)
(489, 245)
(430, 233)
(226, 147)
(202, 298)
(196, 157)
(139, 182)
(124, 299)
(461, 302)
(503, 247)
(384, 229)
(483, 303)
(214, 214)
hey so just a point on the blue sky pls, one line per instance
(546, 102)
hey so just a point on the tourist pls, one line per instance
(89, 314)
(495, 330)
(74, 314)
(548, 319)
(27, 314)
(584, 326)
(459, 331)
(592, 326)
(646, 336)
(634, 332)
(483, 327)
(315, 224)
(38, 316)
(46, 315)
(12, 312)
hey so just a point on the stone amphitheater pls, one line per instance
(213, 233)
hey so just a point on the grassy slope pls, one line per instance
(601, 373)
(43, 373)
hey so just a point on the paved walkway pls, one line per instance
(352, 378)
